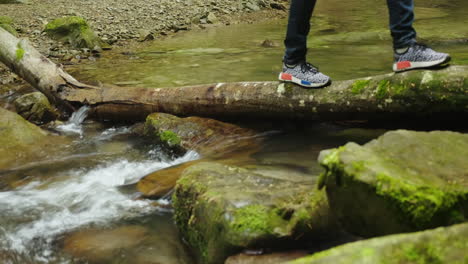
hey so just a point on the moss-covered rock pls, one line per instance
(16, 136)
(7, 24)
(221, 209)
(76, 31)
(204, 135)
(441, 245)
(35, 107)
(403, 181)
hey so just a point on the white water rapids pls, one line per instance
(41, 210)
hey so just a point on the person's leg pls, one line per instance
(295, 68)
(297, 31)
(401, 22)
(408, 54)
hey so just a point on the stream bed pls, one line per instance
(81, 206)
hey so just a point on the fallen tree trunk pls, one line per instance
(411, 94)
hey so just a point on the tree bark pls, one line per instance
(416, 94)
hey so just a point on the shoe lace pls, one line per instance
(420, 46)
(307, 67)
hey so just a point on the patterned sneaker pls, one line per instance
(304, 74)
(418, 56)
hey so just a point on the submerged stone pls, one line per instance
(204, 135)
(441, 245)
(35, 107)
(222, 209)
(134, 244)
(101, 245)
(403, 181)
(76, 31)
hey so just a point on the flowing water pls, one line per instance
(80, 206)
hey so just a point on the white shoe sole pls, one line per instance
(409, 65)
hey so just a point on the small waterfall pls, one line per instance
(73, 125)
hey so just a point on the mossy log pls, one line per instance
(438, 93)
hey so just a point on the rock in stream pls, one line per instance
(401, 182)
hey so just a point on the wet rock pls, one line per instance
(211, 18)
(145, 35)
(159, 183)
(269, 44)
(35, 107)
(253, 6)
(7, 24)
(403, 181)
(279, 6)
(441, 245)
(17, 136)
(222, 209)
(206, 136)
(272, 258)
(76, 31)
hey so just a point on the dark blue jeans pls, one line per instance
(401, 27)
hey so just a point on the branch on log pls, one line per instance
(409, 94)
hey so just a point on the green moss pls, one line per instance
(332, 166)
(359, 85)
(419, 203)
(382, 89)
(74, 30)
(170, 137)
(19, 52)
(9, 28)
(421, 254)
(65, 25)
(254, 219)
(6, 20)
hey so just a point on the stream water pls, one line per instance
(80, 206)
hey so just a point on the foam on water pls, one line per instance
(43, 210)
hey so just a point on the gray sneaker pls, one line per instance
(418, 56)
(304, 74)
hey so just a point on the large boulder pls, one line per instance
(21, 141)
(441, 245)
(403, 181)
(35, 107)
(16, 136)
(76, 31)
(206, 136)
(222, 209)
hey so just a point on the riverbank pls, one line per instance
(121, 23)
